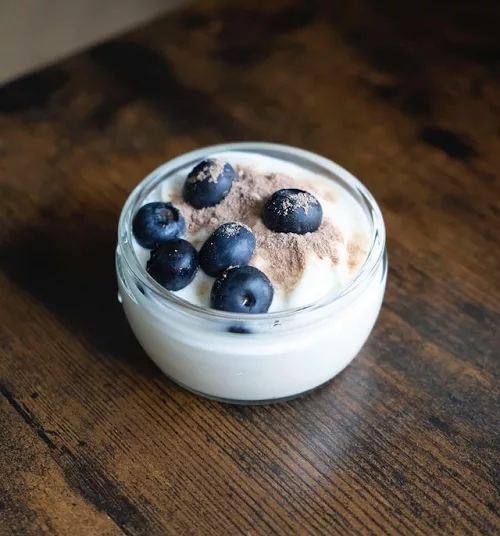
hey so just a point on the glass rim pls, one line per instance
(372, 261)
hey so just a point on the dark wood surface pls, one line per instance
(95, 441)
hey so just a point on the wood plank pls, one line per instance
(35, 495)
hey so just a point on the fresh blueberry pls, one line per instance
(140, 288)
(292, 211)
(231, 244)
(208, 183)
(241, 329)
(173, 264)
(157, 222)
(243, 289)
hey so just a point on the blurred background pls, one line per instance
(284, 70)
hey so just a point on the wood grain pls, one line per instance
(94, 440)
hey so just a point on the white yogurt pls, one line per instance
(321, 275)
(286, 353)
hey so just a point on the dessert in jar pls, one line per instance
(251, 272)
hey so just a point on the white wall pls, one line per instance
(34, 33)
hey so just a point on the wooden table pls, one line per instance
(95, 441)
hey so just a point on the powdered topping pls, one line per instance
(233, 228)
(356, 249)
(295, 201)
(287, 253)
(210, 170)
(243, 203)
(284, 254)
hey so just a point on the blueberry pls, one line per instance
(231, 244)
(244, 289)
(208, 183)
(140, 288)
(292, 211)
(157, 222)
(241, 329)
(173, 264)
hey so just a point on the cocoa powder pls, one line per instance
(285, 253)
(210, 172)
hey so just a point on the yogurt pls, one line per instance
(314, 327)
(320, 275)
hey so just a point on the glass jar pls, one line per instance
(277, 355)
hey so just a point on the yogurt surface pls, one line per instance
(321, 274)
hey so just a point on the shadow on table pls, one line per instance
(66, 262)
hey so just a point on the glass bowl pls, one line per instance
(286, 353)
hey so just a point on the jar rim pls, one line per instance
(372, 261)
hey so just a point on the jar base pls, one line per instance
(251, 402)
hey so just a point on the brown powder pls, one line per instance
(210, 172)
(285, 253)
(232, 229)
(243, 203)
(357, 249)
(294, 201)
